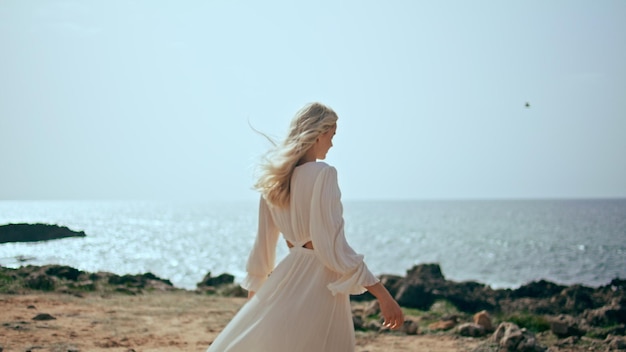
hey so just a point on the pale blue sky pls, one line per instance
(151, 99)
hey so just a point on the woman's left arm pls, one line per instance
(327, 234)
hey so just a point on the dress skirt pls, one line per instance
(293, 311)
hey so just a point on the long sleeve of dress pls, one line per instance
(261, 260)
(329, 241)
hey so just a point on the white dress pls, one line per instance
(303, 306)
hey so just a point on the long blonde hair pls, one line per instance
(278, 164)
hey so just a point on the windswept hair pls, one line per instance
(278, 164)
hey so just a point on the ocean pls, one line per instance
(502, 243)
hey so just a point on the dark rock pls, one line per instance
(35, 232)
(565, 326)
(424, 284)
(222, 279)
(391, 282)
(147, 280)
(605, 316)
(616, 343)
(469, 296)
(470, 330)
(511, 338)
(373, 325)
(537, 289)
(232, 290)
(410, 327)
(359, 323)
(44, 316)
(575, 299)
(418, 288)
(415, 296)
(64, 272)
(222, 285)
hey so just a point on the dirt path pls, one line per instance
(163, 321)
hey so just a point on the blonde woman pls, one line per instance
(303, 303)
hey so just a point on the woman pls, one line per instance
(303, 303)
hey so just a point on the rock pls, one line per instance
(358, 322)
(410, 327)
(424, 284)
(483, 319)
(538, 289)
(232, 290)
(35, 232)
(565, 326)
(141, 281)
(445, 324)
(616, 343)
(607, 315)
(510, 337)
(215, 281)
(373, 325)
(469, 296)
(567, 342)
(373, 309)
(64, 272)
(416, 290)
(575, 299)
(471, 330)
(44, 316)
(391, 282)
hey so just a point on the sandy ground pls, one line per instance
(159, 321)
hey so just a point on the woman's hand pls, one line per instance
(392, 314)
(389, 308)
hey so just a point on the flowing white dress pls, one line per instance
(302, 304)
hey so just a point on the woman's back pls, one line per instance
(295, 220)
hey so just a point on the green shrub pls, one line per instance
(532, 322)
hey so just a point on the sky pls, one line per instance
(155, 99)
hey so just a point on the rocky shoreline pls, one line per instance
(532, 317)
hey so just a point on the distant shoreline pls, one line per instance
(37, 232)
